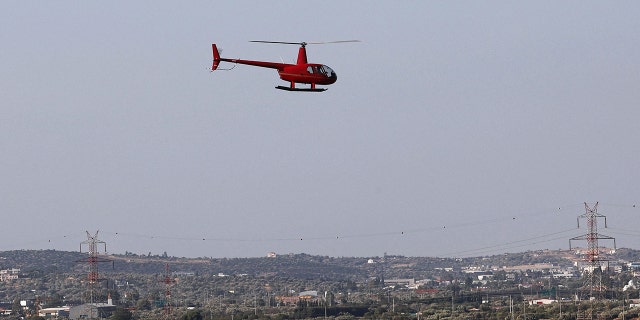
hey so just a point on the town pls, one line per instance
(545, 284)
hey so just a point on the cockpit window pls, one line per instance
(326, 70)
(310, 69)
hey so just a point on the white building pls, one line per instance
(54, 312)
(9, 274)
(541, 301)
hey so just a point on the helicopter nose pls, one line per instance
(333, 78)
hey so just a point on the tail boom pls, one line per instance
(264, 64)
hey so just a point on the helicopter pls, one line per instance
(301, 72)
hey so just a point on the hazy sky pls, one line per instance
(456, 128)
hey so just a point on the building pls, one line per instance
(91, 311)
(62, 312)
(531, 267)
(5, 308)
(287, 300)
(541, 301)
(9, 274)
(402, 282)
(307, 295)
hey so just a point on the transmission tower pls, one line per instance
(93, 259)
(593, 255)
(168, 282)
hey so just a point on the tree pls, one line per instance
(16, 308)
(55, 300)
(192, 315)
(143, 304)
(468, 282)
(121, 314)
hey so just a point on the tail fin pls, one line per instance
(216, 57)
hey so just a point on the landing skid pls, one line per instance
(301, 89)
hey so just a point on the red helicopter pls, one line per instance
(301, 72)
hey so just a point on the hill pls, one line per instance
(297, 266)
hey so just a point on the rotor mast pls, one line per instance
(302, 54)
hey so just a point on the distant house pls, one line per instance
(9, 274)
(530, 267)
(62, 312)
(634, 265)
(91, 311)
(634, 303)
(5, 308)
(541, 301)
(564, 274)
(485, 277)
(309, 294)
(287, 300)
(403, 282)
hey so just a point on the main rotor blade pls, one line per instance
(305, 43)
(281, 42)
(339, 41)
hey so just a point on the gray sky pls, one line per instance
(456, 128)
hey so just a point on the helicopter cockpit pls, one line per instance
(321, 69)
(326, 71)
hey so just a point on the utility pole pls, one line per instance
(325, 305)
(511, 306)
